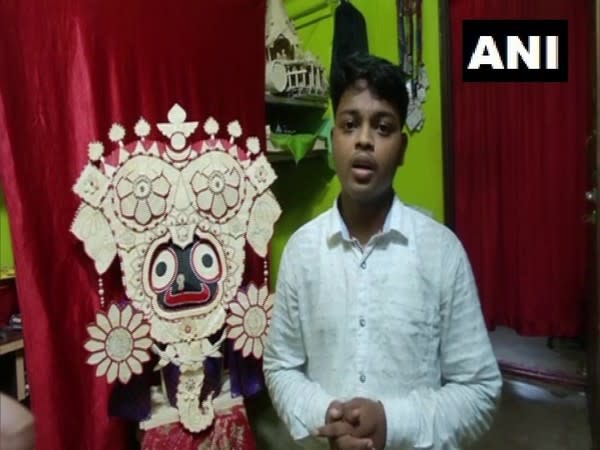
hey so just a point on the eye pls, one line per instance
(163, 270)
(348, 124)
(384, 128)
(205, 262)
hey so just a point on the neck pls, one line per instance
(365, 219)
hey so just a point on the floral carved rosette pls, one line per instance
(118, 343)
(249, 320)
(178, 216)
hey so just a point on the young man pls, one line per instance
(377, 338)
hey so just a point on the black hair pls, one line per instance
(384, 79)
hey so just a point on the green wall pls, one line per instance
(6, 255)
(310, 188)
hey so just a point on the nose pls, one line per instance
(364, 139)
(180, 282)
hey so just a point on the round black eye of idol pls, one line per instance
(204, 261)
(164, 269)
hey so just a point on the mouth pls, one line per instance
(363, 168)
(187, 298)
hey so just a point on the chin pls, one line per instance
(365, 193)
(361, 195)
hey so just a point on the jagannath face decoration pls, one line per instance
(178, 216)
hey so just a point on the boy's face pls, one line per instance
(368, 144)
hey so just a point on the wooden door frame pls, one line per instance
(448, 173)
(447, 116)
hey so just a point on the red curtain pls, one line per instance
(69, 69)
(520, 177)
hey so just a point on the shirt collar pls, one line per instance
(393, 224)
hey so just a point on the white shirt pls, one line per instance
(398, 321)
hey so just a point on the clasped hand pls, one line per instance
(358, 424)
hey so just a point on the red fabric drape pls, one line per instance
(230, 431)
(69, 69)
(520, 177)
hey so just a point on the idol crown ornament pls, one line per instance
(178, 216)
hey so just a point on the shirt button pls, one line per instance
(363, 264)
(362, 378)
(362, 322)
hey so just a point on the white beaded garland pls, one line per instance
(266, 271)
(101, 291)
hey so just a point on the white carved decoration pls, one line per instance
(178, 216)
(118, 343)
(249, 320)
(92, 228)
(264, 212)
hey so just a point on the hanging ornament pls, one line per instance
(101, 292)
(266, 272)
(410, 46)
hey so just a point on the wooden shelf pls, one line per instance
(12, 342)
(276, 155)
(303, 102)
(7, 274)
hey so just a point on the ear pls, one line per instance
(402, 150)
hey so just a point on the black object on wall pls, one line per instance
(349, 34)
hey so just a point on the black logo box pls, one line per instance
(499, 30)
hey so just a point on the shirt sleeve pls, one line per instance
(461, 410)
(300, 402)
